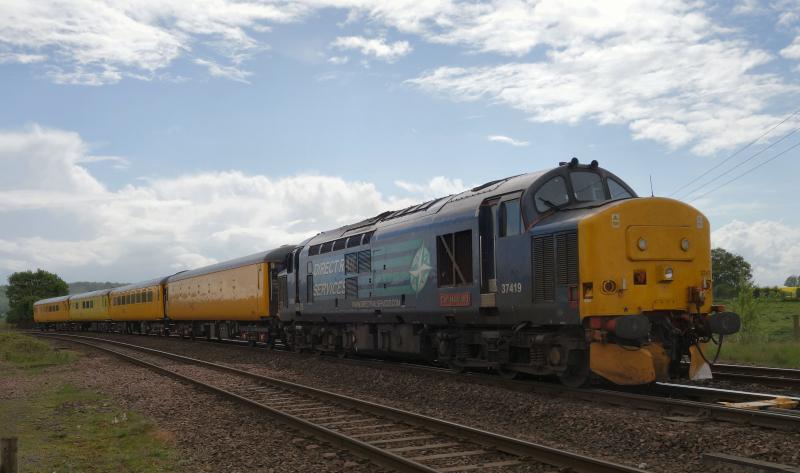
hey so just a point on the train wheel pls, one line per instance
(577, 373)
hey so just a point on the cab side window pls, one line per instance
(552, 194)
(617, 191)
(510, 218)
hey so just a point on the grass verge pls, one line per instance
(777, 354)
(66, 429)
(62, 428)
(28, 353)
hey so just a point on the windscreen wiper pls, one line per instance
(551, 205)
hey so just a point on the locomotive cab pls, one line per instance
(620, 285)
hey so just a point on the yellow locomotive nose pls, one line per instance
(642, 258)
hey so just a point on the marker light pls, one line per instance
(642, 244)
(668, 273)
(685, 244)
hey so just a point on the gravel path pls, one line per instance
(634, 437)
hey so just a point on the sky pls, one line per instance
(141, 138)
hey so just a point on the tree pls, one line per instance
(728, 272)
(791, 281)
(25, 288)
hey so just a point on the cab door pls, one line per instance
(512, 255)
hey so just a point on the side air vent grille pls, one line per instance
(567, 258)
(351, 288)
(543, 262)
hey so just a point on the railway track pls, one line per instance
(392, 438)
(784, 378)
(671, 400)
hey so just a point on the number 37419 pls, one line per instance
(510, 287)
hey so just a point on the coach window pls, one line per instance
(510, 218)
(454, 258)
(150, 296)
(552, 194)
(617, 190)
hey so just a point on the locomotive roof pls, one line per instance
(454, 204)
(271, 256)
(52, 300)
(458, 205)
(140, 285)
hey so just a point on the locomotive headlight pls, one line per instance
(668, 273)
(642, 244)
(685, 244)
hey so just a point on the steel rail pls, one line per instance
(668, 399)
(527, 451)
(775, 377)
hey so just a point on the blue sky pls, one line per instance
(137, 140)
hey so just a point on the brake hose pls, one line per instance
(719, 349)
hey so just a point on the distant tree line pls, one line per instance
(25, 288)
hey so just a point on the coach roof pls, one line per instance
(85, 295)
(272, 256)
(140, 285)
(52, 300)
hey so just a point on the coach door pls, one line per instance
(486, 231)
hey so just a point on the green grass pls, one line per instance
(65, 429)
(777, 354)
(28, 353)
(773, 343)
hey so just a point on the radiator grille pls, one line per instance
(351, 288)
(543, 262)
(567, 258)
(364, 261)
(351, 263)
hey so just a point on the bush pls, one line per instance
(748, 307)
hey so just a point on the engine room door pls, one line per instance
(512, 255)
(486, 230)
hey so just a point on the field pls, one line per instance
(771, 343)
(64, 428)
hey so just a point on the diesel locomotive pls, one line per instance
(561, 272)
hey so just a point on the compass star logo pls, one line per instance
(420, 268)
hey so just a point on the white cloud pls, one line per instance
(21, 58)
(338, 60)
(507, 140)
(677, 92)
(227, 72)
(438, 186)
(98, 42)
(669, 71)
(87, 231)
(771, 247)
(793, 50)
(378, 48)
